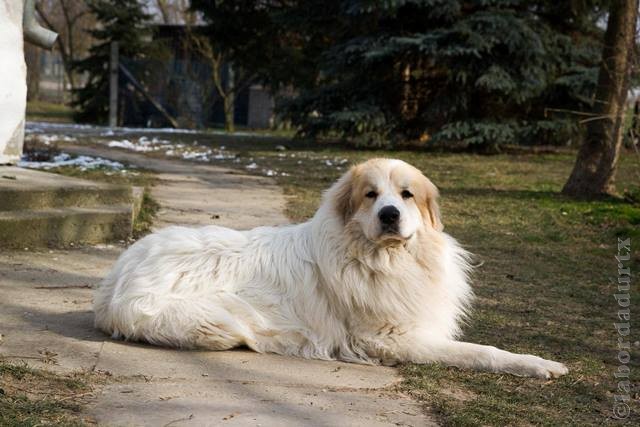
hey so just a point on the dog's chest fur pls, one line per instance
(386, 286)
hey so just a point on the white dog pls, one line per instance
(371, 278)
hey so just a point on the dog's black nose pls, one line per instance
(389, 215)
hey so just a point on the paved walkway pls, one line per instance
(46, 320)
(191, 193)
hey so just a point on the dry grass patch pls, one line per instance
(30, 397)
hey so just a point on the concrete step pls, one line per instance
(62, 227)
(22, 189)
(36, 199)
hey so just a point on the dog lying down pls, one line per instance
(371, 278)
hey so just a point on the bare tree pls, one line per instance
(203, 46)
(236, 80)
(226, 86)
(70, 19)
(594, 172)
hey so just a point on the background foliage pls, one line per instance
(123, 21)
(482, 72)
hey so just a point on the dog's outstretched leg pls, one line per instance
(480, 357)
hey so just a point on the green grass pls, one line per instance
(49, 112)
(148, 210)
(33, 397)
(545, 283)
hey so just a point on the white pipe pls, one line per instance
(34, 32)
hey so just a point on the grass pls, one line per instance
(30, 397)
(49, 112)
(545, 283)
(148, 210)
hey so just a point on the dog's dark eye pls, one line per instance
(371, 194)
(406, 194)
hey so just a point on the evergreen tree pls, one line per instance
(478, 71)
(482, 72)
(122, 21)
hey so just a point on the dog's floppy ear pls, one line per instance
(342, 196)
(431, 209)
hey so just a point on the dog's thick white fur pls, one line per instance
(371, 278)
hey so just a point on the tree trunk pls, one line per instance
(32, 59)
(229, 125)
(229, 101)
(594, 171)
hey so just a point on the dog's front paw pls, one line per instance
(534, 366)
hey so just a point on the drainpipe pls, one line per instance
(34, 32)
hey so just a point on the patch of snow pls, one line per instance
(156, 130)
(144, 140)
(128, 145)
(41, 127)
(199, 156)
(47, 139)
(143, 144)
(64, 159)
(240, 133)
(221, 156)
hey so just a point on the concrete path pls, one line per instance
(191, 193)
(46, 320)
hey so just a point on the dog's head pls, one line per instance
(389, 200)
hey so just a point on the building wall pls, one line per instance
(260, 115)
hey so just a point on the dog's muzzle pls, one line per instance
(389, 217)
